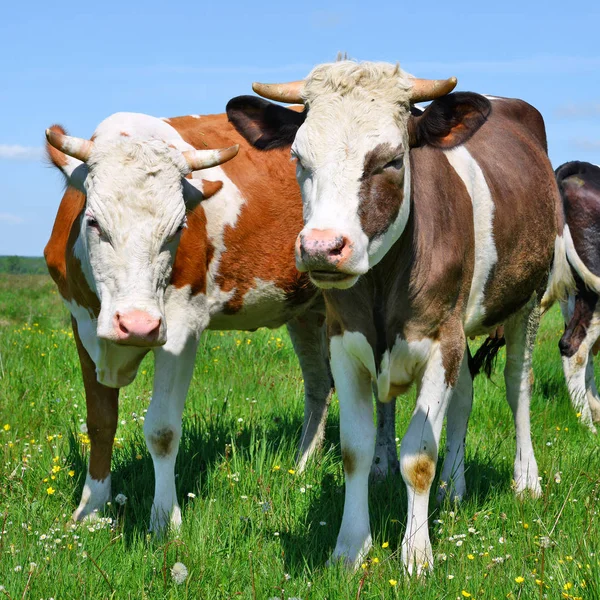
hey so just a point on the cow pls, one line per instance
(579, 185)
(420, 230)
(158, 238)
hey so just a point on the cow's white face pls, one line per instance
(353, 171)
(130, 230)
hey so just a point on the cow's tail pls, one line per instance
(485, 357)
(561, 281)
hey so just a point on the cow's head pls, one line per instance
(134, 215)
(352, 158)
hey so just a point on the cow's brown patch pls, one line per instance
(210, 188)
(125, 134)
(381, 189)
(261, 244)
(420, 472)
(349, 460)
(162, 441)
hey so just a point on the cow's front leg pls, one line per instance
(102, 415)
(452, 480)
(592, 391)
(174, 366)
(309, 338)
(357, 435)
(520, 331)
(419, 448)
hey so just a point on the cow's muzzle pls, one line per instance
(138, 328)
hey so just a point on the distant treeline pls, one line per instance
(23, 265)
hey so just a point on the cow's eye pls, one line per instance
(394, 164)
(93, 224)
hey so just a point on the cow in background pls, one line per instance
(158, 238)
(420, 230)
(579, 185)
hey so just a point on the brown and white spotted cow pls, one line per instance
(579, 185)
(420, 230)
(148, 251)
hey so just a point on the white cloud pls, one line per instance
(16, 152)
(10, 218)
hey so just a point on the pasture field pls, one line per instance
(253, 528)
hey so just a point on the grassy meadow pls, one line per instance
(253, 528)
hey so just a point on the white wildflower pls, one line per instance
(179, 573)
(191, 495)
(557, 478)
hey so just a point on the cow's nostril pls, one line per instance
(338, 246)
(122, 326)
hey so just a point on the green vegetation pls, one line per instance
(253, 528)
(23, 265)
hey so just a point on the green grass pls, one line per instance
(255, 529)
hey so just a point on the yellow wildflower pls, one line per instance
(50, 491)
(375, 561)
(519, 579)
(385, 544)
(55, 468)
(466, 594)
(276, 467)
(291, 471)
(393, 582)
(71, 473)
(470, 557)
(6, 427)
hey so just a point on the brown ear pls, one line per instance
(449, 121)
(210, 188)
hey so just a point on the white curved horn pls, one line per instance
(281, 92)
(430, 89)
(73, 146)
(203, 159)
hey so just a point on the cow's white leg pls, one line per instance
(579, 374)
(174, 365)
(385, 460)
(520, 331)
(592, 390)
(452, 479)
(102, 416)
(357, 435)
(309, 339)
(419, 453)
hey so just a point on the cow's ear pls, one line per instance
(264, 124)
(449, 121)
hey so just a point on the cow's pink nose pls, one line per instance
(137, 325)
(322, 249)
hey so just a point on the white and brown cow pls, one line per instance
(579, 184)
(420, 230)
(148, 251)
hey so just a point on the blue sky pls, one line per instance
(77, 63)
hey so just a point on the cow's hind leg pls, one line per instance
(174, 366)
(385, 459)
(520, 331)
(582, 330)
(309, 339)
(102, 415)
(592, 390)
(452, 480)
